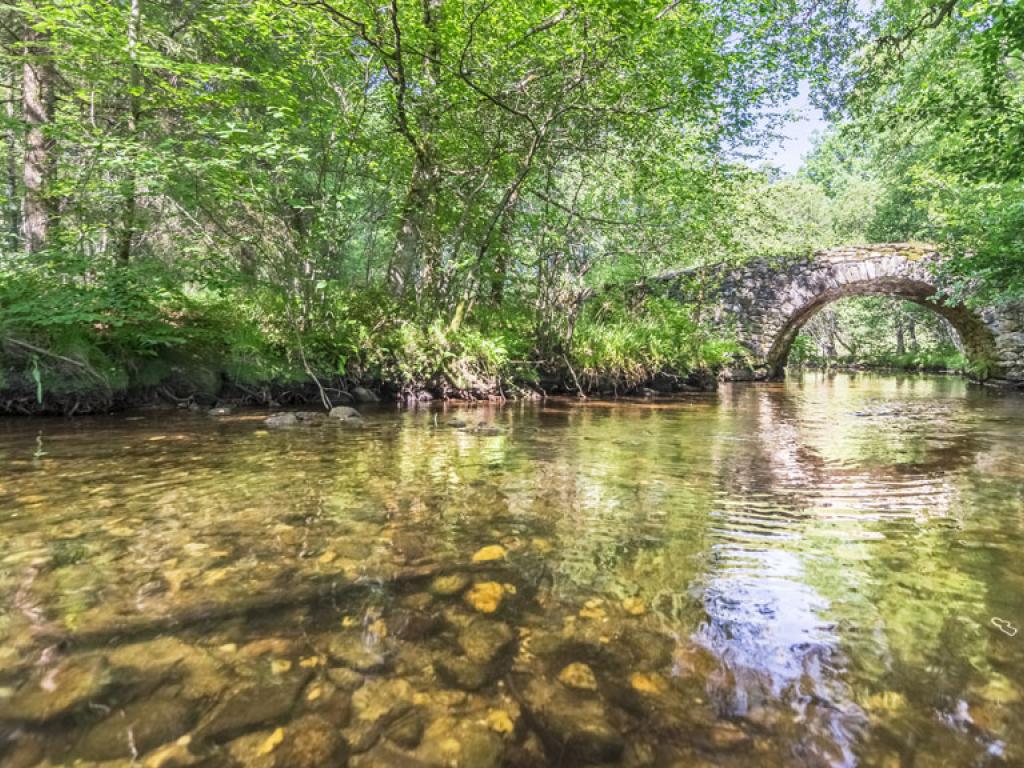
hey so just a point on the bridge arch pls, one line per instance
(767, 302)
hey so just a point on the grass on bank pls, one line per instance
(76, 339)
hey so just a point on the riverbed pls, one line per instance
(825, 572)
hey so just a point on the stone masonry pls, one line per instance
(767, 302)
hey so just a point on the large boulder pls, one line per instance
(344, 413)
(363, 395)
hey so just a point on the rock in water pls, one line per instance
(486, 645)
(449, 585)
(485, 596)
(308, 742)
(344, 413)
(72, 686)
(489, 554)
(579, 676)
(376, 705)
(363, 395)
(351, 650)
(142, 726)
(252, 705)
(572, 724)
(281, 420)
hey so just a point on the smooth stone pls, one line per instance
(449, 585)
(153, 722)
(70, 687)
(461, 744)
(281, 420)
(221, 410)
(27, 750)
(648, 682)
(634, 606)
(355, 653)
(407, 730)
(251, 706)
(308, 742)
(165, 659)
(489, 554)
(375, 706)
(571, 724)
(344, 413)
(486, 645)
(363, 395)
(345, 678)
(485, 596)
(578, 676)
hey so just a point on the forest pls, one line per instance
(259, 199)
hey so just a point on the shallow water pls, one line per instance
(826, 572)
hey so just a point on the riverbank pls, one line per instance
(205, 389)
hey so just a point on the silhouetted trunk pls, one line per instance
(37, 107)
(901, 347)
(13, 213)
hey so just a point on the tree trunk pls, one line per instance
(417, 246)
(37, 107)
(13, 213)
(901, 346)
(124, 248)
(912, 335)
(417, 256)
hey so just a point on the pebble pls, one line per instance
(578, 676)
(485, 596)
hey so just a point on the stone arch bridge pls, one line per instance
(765, 303)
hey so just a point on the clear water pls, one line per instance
(826, 572)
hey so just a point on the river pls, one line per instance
(823, 572)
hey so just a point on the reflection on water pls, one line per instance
(787, 574)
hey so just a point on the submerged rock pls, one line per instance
(489, 554)
(311, 417)
(485, 596)
(461, 743)
(579, 676)
(407, 730)
(308, 742)
(571, 725)
(355, 652)
(252, 705)
(449, 585)
(138, 728)
(375, 706)
(56, 693)
(447, 742)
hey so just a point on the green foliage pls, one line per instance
(937, 110)
(880, 332)
(624, 346)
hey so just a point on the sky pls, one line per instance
(797, 134)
